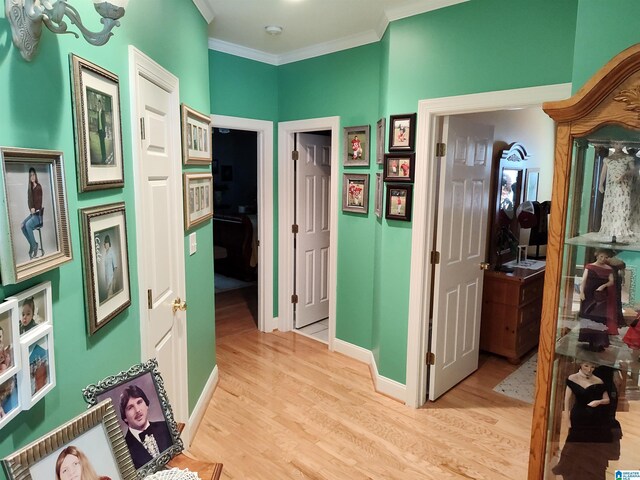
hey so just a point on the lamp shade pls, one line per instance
(113, 9)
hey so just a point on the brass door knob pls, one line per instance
(484, 266)
(178, 304)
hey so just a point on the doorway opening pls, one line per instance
(235, 227)
(423, 324)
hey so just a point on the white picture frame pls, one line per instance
(38, 375)
(39, 300)
(10, 357)
(10, 402)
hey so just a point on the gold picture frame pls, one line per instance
(94, 435)
(196, 137)
(198, 198)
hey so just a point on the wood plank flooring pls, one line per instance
(287, 408)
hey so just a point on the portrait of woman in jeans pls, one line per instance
(34, 220)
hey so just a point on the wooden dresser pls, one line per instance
(511, 311)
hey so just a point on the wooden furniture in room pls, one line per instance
(511, 309)
(593, 125)
(186, 461)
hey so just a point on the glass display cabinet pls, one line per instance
(586, 419)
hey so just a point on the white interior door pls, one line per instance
(461, 240)
(313, 180)
(160, 234)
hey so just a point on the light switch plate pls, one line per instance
(193, 243)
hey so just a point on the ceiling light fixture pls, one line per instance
(273, 29)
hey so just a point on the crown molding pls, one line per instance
(418, 7)
(205, 10)
(244, 52)
(332, 46)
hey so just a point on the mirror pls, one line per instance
(508, 179)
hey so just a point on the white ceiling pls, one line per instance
(310, 27)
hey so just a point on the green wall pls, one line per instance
(37, 106)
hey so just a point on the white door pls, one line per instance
(161, 242)
(461, 239)
(313, 179)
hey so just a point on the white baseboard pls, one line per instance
(383, 385)
(272, 324)
(201, 406)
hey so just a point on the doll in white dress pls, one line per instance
(616, 182)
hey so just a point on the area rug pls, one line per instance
(224, 284)
(521, 383)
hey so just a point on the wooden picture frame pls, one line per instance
(399, 167)
(379, 195)
(35, 228)
(38, 365)
(93, 438)
(356, 146)
(196, 137)
(381, 127)
(98, 126)
(532, 177)
(198, 198)
(10, 356)
(105, 263)
(399, 198)
(124, 389)
(355, 193)
(402, 132)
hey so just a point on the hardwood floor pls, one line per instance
(287, 408)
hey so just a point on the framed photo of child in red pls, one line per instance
(402, 132)
(399, 168)
(399, 202)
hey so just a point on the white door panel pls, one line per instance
(162, 255)
(461, 241)
(312, 241)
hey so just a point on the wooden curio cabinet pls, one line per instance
(586, 419)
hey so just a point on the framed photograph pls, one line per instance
(146, 418)
(92, 441)
(381, 127)
(34, 308)
(196, 137)
(105, 262)
(402, 132)
(379, 191)
(399, 167)
(531, 184)
(399, 202)
(198, 198)
(10, 358)
(10, 405)
(35, 229)
(355, 193)
(38, 366)
(356, 146)
(96, 108)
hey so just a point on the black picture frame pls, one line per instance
(399, 199)
(399, 167)
(402, 132)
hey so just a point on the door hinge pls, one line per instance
(294, 298)
(430, 358)
(142, 132)
(435, 257)
(294, 155)
(294, 228)
(441, 149)
(149, 299)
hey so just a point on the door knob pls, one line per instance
(484, 266)
(178, 304)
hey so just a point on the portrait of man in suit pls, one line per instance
(146, 439)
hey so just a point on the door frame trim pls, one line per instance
(286, 134)
(424, 218)
(264, 129)
(140, 65)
